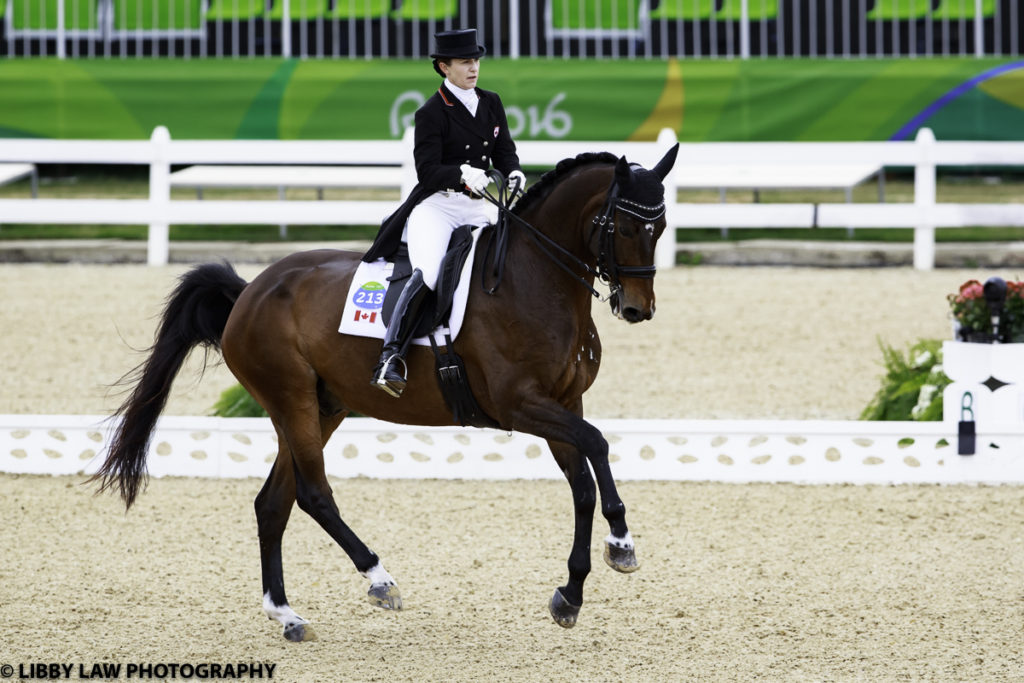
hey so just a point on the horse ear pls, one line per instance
(622, 170)
(667, 162)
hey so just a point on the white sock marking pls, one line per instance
(282, 613)
(378, 576)
(623, 543)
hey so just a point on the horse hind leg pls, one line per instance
(383, 591)
(314, 497)
(313, 494)
(273, 507)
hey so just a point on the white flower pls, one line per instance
(924, 399)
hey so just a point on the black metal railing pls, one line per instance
(636, 29)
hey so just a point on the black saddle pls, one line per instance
(438, 306)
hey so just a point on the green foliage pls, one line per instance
(237, 402)
(912, 386)
(689, 258)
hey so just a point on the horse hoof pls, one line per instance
(620, 559)
(299, 633)
(563, 613)
(385, 596)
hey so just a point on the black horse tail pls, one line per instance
(196, 313)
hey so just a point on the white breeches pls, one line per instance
(430, 226)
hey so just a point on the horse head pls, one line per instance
(630, 225)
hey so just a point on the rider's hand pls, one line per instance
(474, 178)
(517, 181)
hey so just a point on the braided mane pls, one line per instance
(543, 187)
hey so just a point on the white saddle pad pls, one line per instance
(365, 300)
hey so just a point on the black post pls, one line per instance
(995, 295)
(966, 435)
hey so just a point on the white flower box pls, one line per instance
(987, 383)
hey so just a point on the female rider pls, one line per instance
(460, 131)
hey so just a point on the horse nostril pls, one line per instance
(635, 315)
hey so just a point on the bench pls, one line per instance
(10, 173)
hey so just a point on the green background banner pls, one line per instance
(705, 100)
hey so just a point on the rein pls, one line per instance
(607, 271)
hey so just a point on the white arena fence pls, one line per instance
(924, 215)
(812, 452)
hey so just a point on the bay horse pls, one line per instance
(530, 349)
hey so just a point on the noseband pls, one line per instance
(608, 268)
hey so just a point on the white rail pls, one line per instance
(924, 154)
(827, 452)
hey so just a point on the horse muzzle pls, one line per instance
(628, 311)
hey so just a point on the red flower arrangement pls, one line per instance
(973, 317)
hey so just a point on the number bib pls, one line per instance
(370, 296)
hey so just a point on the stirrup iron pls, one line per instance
(392, 387)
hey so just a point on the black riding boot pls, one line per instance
(386, 375)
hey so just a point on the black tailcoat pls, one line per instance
(447, 136)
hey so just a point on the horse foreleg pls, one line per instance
(619, 550)
(554, 422)
(273, 507)
(567, 600)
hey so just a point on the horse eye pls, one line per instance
(626, 229)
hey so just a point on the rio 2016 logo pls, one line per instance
(531, 121)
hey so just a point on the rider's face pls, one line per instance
(462, 72)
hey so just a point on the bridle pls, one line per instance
(608, 270)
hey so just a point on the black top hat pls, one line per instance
(460, 44)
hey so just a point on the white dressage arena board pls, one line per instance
(738, 451)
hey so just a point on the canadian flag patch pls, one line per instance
(362, 316)
(496, 128)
